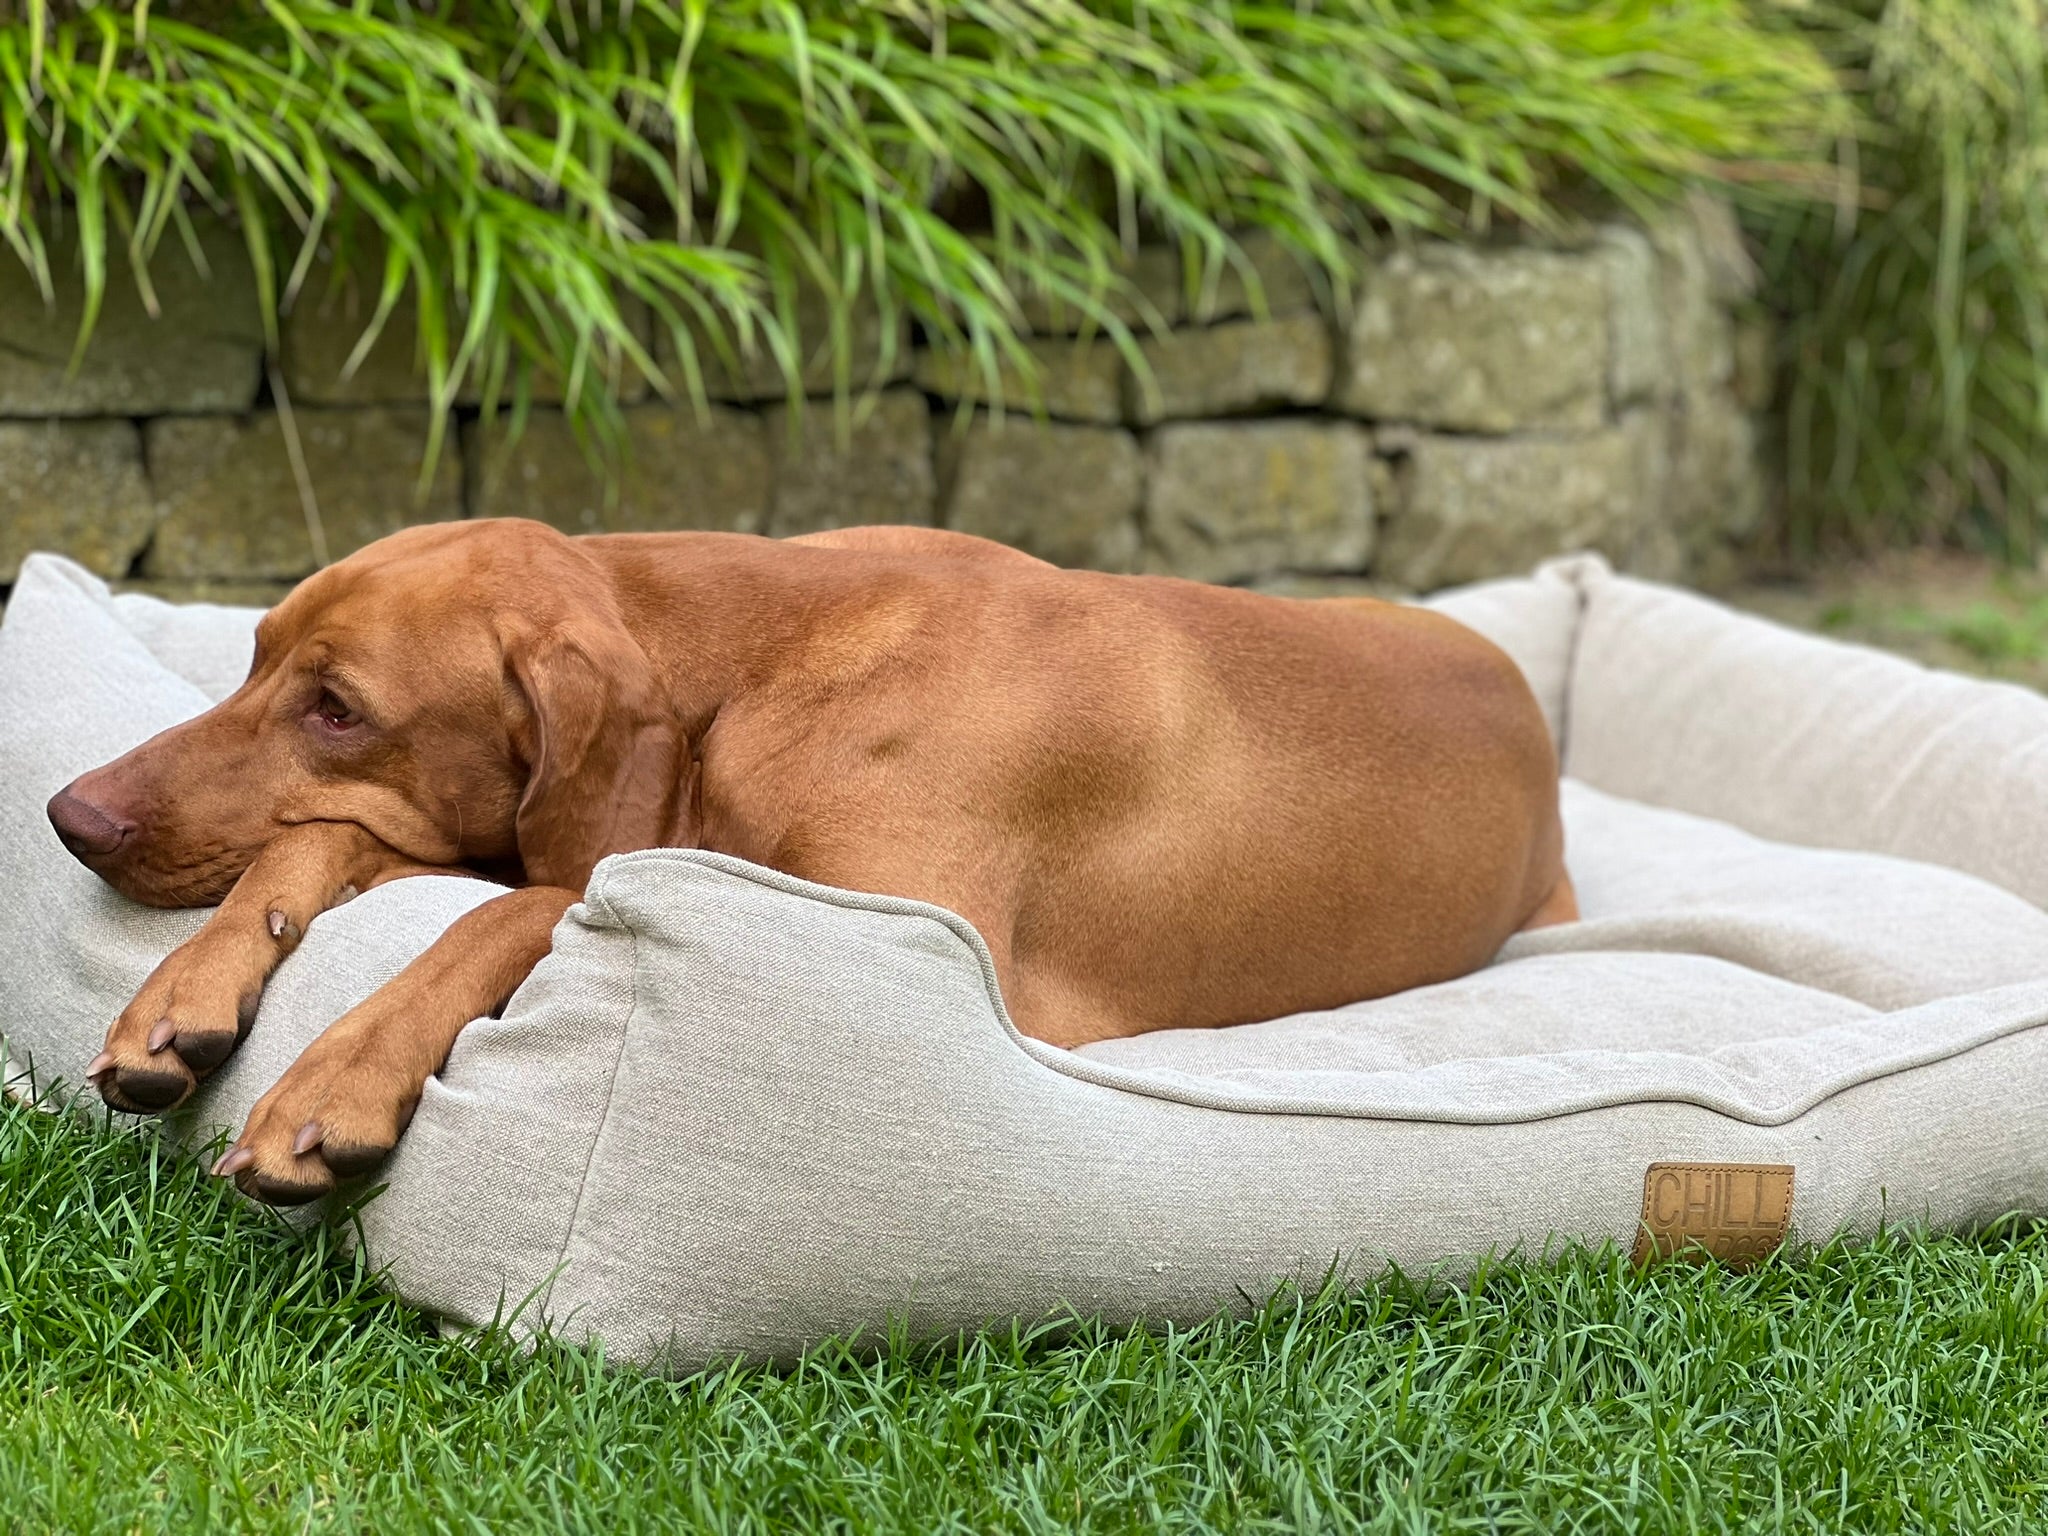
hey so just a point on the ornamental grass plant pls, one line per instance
(528, 175)
(1913, 299)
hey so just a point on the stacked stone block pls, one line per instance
(1479, 409)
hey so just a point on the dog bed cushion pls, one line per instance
(734, 1113)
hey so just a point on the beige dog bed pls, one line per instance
(733, 1112)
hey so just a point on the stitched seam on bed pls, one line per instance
(1126, 1080)
(1566, 706)
(559, 1268)
(1776, 1116)
(952, 923)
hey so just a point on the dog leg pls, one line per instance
(196, 1006)
(1560, 906)
(341, 1107)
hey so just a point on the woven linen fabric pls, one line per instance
(734, 1113)
(1679, 702)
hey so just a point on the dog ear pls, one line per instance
(608, 765)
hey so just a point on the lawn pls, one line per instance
(173, 1360)
(1940, 607)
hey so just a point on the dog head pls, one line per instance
(468, 693)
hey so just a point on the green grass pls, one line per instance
(172, 1360)
(1996, 635)
(1989, 633)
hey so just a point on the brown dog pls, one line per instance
(1161, 803)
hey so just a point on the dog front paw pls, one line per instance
(324, 1122)
(187, 1019)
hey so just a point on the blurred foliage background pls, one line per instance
(1913, 299)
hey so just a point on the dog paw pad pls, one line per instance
(275, 1191)
(204, 1049)
(139, 1090)
(352, 1159)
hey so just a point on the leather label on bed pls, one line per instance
(1734, 1212)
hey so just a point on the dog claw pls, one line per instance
(232, 1162)
(100, 1063)
(164, 1032)
(307, 1139)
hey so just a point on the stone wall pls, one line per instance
(1482, 408)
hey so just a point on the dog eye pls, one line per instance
(333, 711)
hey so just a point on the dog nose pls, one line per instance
(84, 828)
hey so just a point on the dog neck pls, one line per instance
(723, 614)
